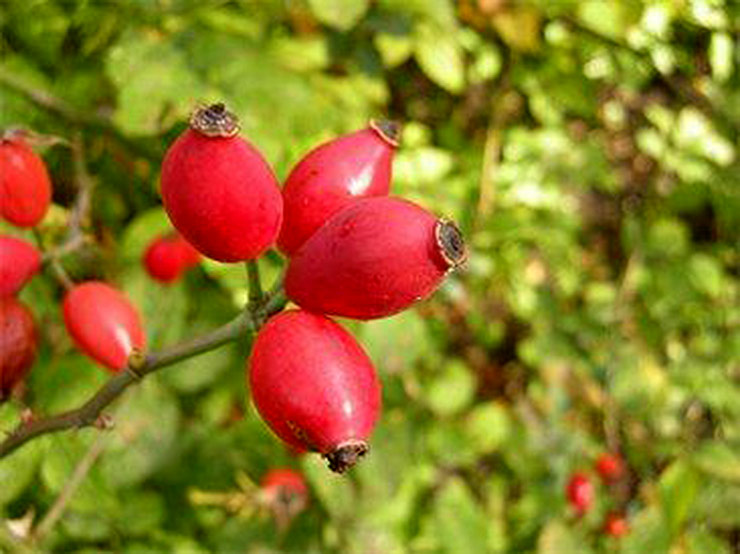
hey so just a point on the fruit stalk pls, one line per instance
(87, 414)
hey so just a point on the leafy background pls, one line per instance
(589, 151)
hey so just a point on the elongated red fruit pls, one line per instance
(373, 259)
(580, 492)
(19, 262)
(18, 343)
(616, 525)
(103, 323)
(610, 467)
(219, 191)
(25, 187)
(284, 493)
(315, 386)
(334, 175)
(168, 256)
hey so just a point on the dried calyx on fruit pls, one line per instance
(373, 259)
(103, 324)
(18, 343)
(334, 175)
(25, 187)
(19, 262)
(321, 393)
(218, 190)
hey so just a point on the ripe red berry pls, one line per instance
(610, 467)
(284, 481)
(580, 492)
(219, 191)
(25, 187)
(285, 494)
(616, 525)
(18, 343)
(315, 386)
(373, 259)
(103, 323)
(168, 256)
(19, 262)
(332, 176)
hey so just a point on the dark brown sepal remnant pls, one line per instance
(346, 455)
(389, 131)
(451, 243)
(215, 121)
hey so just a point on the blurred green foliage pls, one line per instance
(589, 151)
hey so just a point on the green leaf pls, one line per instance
(648, 533)
(440, 57)
(340, 14)
(679, 485)
(719, 460)
(458, 521)
(156, 86)
(18, 469)
(452, 390)
(144, 435)
(556, 538)
(487, 427)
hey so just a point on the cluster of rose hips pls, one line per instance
(353, 251)
(581, 494)
(25, 195)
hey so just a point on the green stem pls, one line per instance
(256, 295)
(87, 414)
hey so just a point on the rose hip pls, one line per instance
(580, 492)
(168, 257)
(610, 467)
(616, 525)
(373, 259)
(218, 190)
(19, 262)
(315, 386)
(25, 187)
(18, 343)
(334, 175)
(103, 323)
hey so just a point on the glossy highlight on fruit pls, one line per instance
(103, 323)
(18, 343)
(314, 386)
(332, 176)
(19, 262)
(580, 492)
(610, 467)
(374, 259)
(168, 256)
(218, 190)
(25, 187)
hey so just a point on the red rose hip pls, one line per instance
(610, 467)
(373, 259)
(103, 323)
(334, 175)
(25, 187)
(19, 262)
(168, 256)
(218, 190)
(616, 525)
(18, 343)
(315, 386)
(580, 492)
